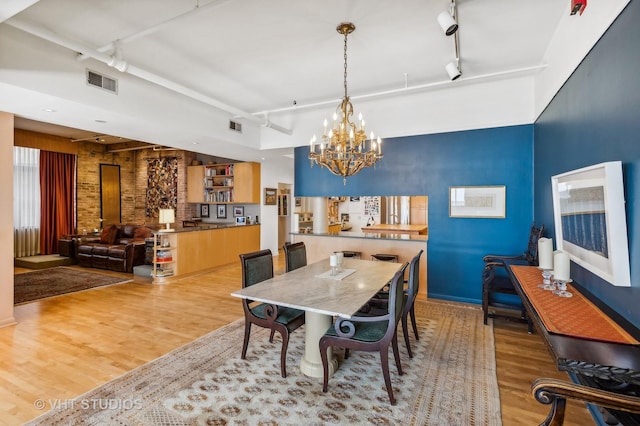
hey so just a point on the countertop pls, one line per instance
(368, 235)
(204, 227)
(400, 229)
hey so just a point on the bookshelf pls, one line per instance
(164, 256)
(224, 183)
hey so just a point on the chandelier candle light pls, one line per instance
(343, 149)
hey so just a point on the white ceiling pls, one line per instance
(274, 62)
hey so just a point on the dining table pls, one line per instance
(323, 294)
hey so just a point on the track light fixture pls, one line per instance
(447, 20)
(453, 70)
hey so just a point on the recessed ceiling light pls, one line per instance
(48, 109)
(101, 121)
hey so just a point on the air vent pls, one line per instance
(102, 81)
(234, 125)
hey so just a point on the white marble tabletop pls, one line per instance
(302, 289)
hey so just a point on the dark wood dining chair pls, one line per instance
(410, 294)
(256, 267)
(189, 223)
(295, 256)
(495, 281)
(369, 333)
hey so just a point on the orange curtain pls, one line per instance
(57, 198)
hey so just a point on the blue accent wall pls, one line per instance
(594, 118)
(429, 165)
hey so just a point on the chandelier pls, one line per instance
(345, 148)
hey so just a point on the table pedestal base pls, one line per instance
(311, 363)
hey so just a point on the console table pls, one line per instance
(602, 356)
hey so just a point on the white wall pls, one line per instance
(272, 173)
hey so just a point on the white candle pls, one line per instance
(561, 266)
(545, 253)
(340, 256)
(333, 260)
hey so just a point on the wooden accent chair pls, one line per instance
(256, 267)
(495, 280)
(369, 333)
(554, 392)
(295, 256)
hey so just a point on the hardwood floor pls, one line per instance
(67, 345)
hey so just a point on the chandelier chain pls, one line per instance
(345, 64)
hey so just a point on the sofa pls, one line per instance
(120, 248)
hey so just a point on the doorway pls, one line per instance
(110, 209)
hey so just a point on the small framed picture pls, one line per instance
(238, 211)
(204, 210)
(270, 195)
(298, 201)
(221, 211)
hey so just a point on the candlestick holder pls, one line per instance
(562, 288)
(546, 280)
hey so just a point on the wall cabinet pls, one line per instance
(224, 183)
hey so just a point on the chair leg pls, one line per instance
(346, 353)
(245, 344)
(283, 352)
(485, 305)
(396, 353)
(325, 365)
(405, 332)
(273, 332)
(384, 360)
(412, 312)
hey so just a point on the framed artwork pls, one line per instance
(590, 220)
(238, 211)
(270, 196)
(221, 211)
(477, 201)
(298, 201)
(204, 210)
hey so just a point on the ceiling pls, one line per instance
(263, 62)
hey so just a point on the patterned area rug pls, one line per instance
(37, 285)
(450, 381)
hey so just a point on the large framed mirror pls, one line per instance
(110, 208)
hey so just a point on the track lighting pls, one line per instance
(453, 70)
(447, 20)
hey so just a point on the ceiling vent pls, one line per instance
(235, 126)
(102, 81)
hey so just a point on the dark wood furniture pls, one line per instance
(369, 333)
(607, 373)
(295, 255)
(258, 267)
(496, 282)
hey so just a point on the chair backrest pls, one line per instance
(295, 255)
(396, 294)
(189, 223)
(532, 247)
(256, 267)
(414, 279)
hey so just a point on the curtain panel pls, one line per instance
(26, 201)
(57, 198)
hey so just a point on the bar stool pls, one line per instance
(384, 257)
(353, 254)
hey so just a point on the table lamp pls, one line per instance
(167, 216)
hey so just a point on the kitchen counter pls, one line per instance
(205, 226)
(397, 229)
(369, 235)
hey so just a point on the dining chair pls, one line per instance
(369, 333)
(257, 267)
(410, 294)
(385, 257)
(295, 256)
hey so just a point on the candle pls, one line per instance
(340, 256)
(561, 266)
(333, 260)
(545, 253)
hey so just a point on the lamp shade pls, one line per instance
(453, 71)
(167, 216)
(447, 23)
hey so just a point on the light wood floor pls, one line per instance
(67, 345)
